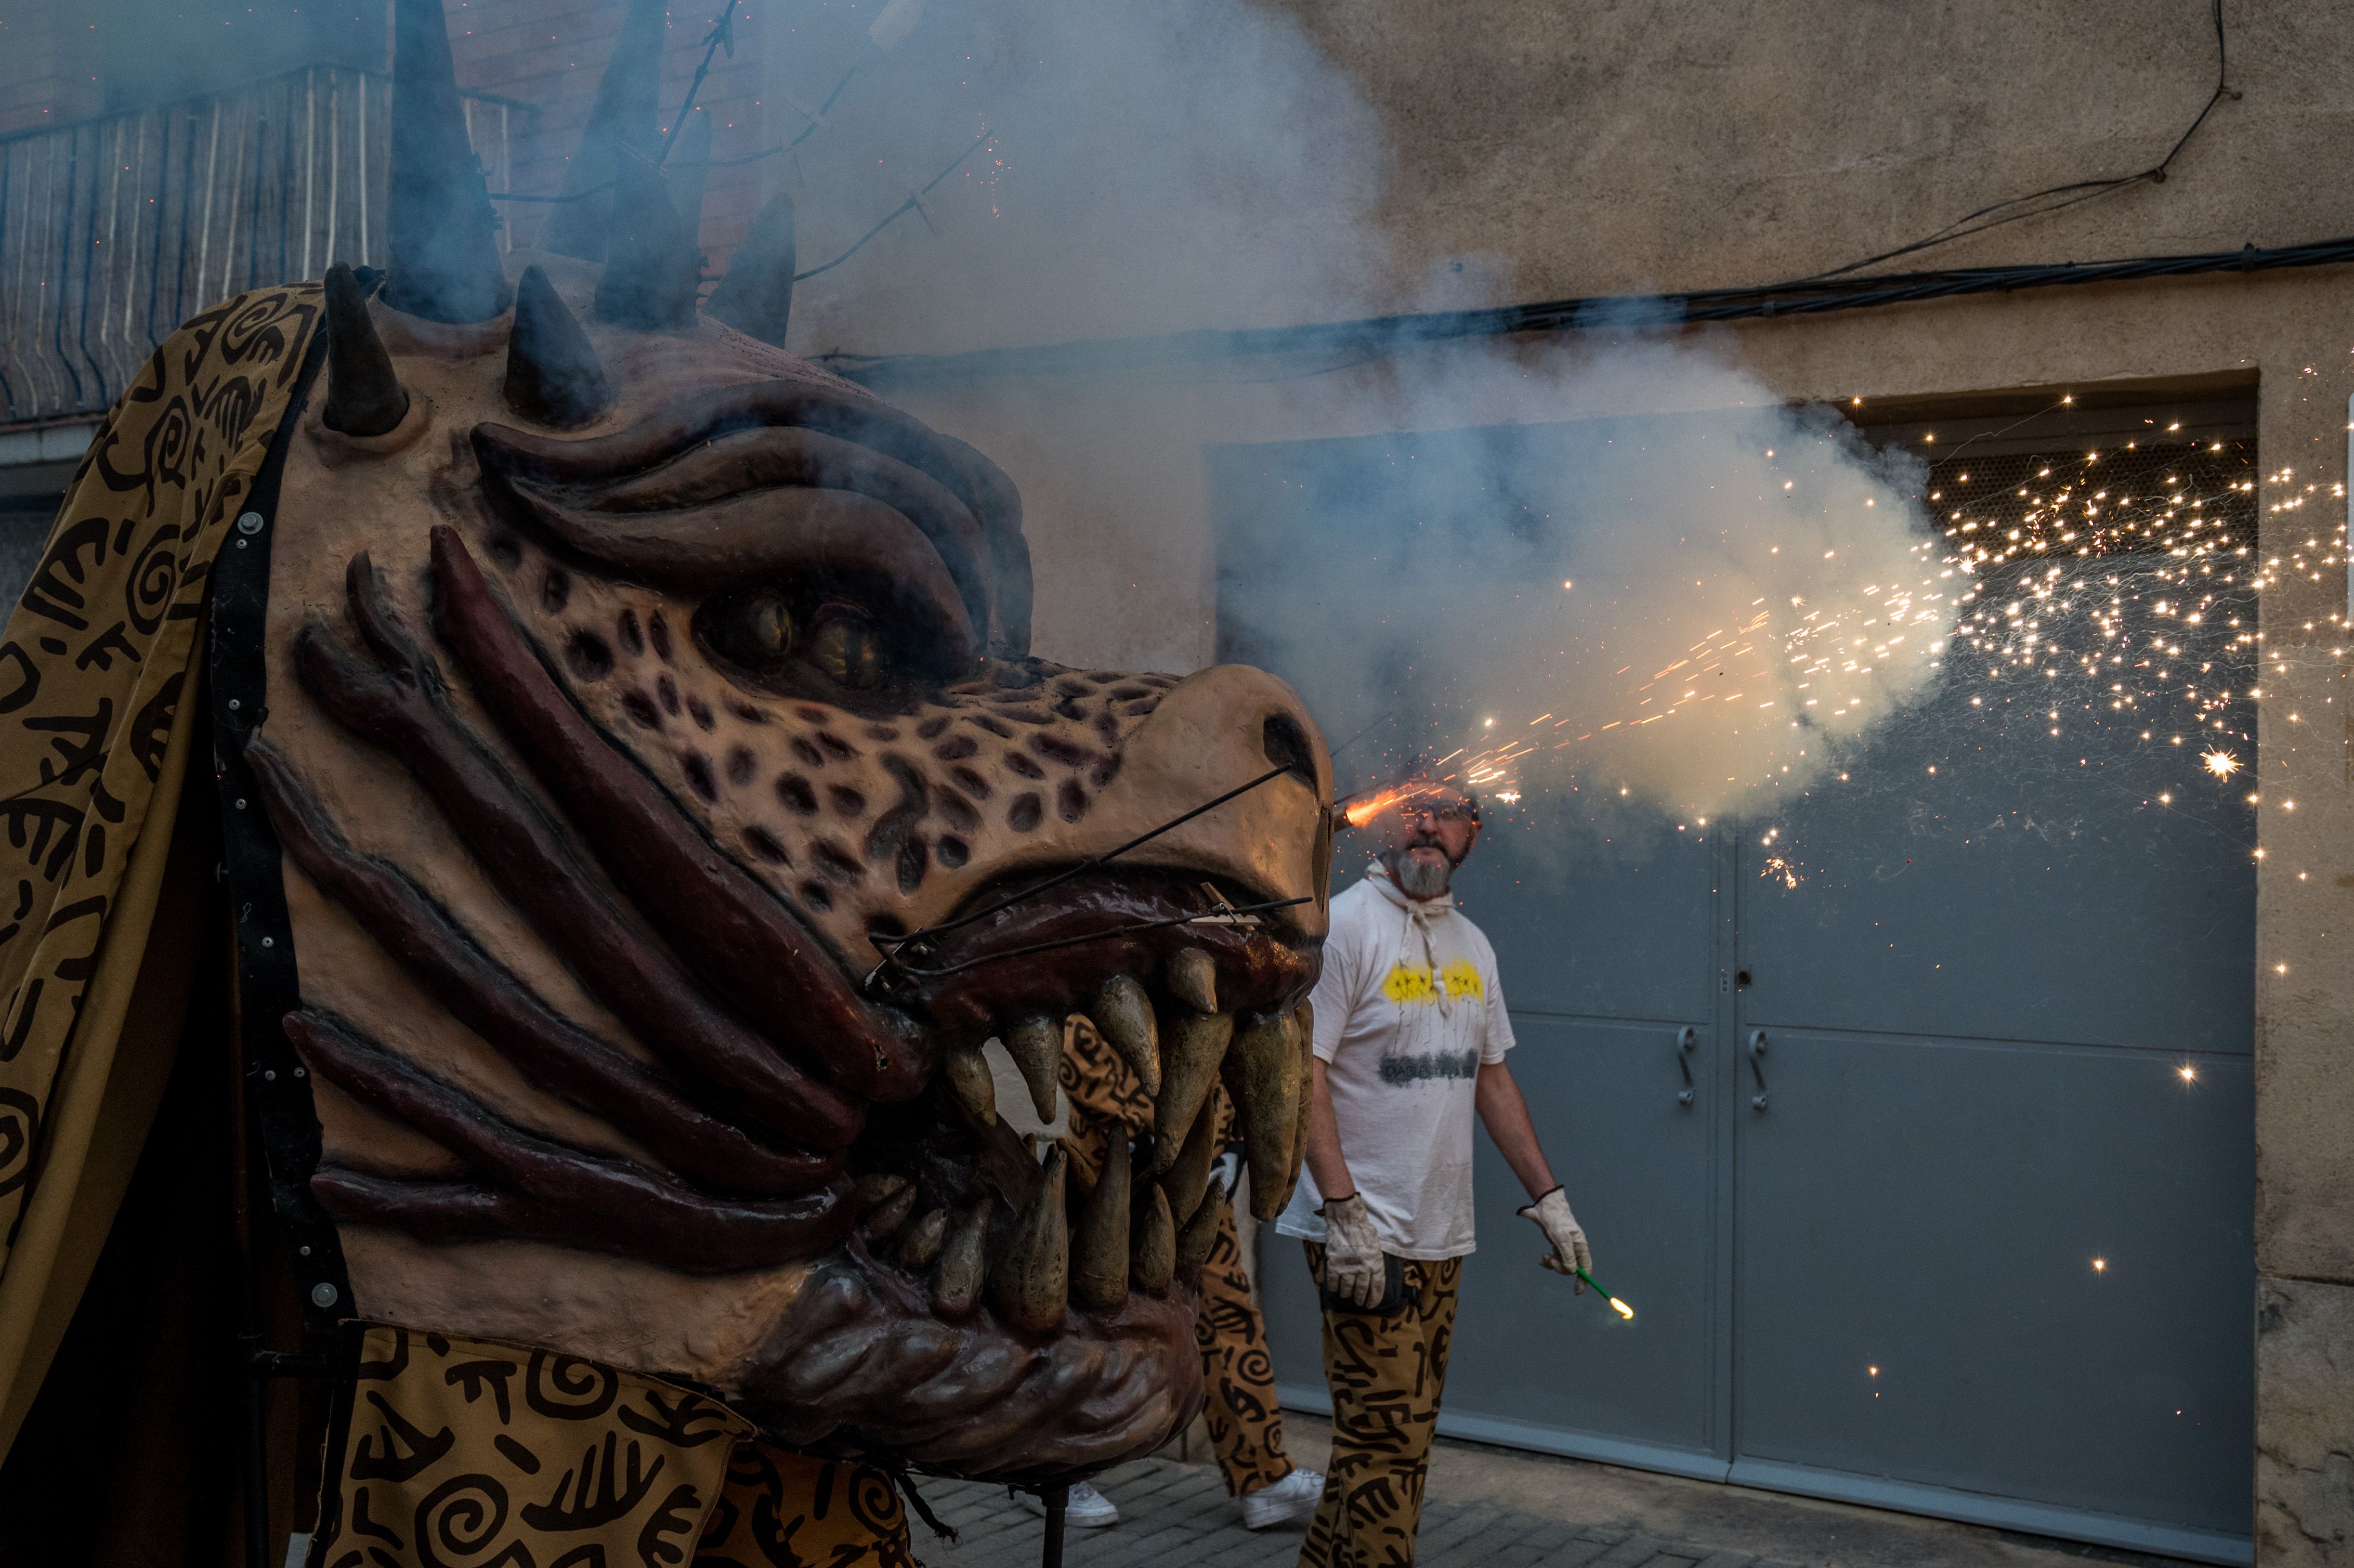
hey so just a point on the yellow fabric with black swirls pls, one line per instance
(1386, 1375)
(460, 1453)
(783, 1510)
(1238, 1406)
(93, 667)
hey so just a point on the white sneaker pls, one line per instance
(1087, 1509)
(1296, 1494)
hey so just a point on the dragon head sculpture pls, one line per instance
(670, 809)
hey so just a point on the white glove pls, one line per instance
(1353, 1254)
(1551, 1214)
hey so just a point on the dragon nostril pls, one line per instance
(1285, 745)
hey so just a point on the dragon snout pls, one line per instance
(1220, 729)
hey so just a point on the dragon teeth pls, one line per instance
(1191, 976)
(1123, 1015)
(1154, 1251)
(1196, 1046)
(957, 1279)
(1261, 1071)
(1036, 1043)
(1201, 1233)
(1189, 1174)
(975, 1089)
(883, 1221)
(1030, 1283)
(1303, 1030)
(920, 1243)
(1099, 1241)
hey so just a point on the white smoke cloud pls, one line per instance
(1753, 589)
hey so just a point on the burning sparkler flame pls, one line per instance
(1623, 1310)
(1366, 808)
(2222, 764)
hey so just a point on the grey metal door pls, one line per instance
(1986, 1237)
(1993, 1219)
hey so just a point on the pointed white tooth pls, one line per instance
(1100, 1239)
(1029, 1284)
(1123, 1014)
(971, 1082)
(1189, 1070)
(1193, 979)
(1037, 1046)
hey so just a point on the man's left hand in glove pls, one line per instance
(1551, 1214)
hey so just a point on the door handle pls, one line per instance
(1687, 1041)
(1757, 1066)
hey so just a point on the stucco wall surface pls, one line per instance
(1617, 146)
(2304, 1454)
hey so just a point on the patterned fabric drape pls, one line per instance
(93, 667)
(463, 1453)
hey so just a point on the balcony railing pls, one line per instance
(114, 230)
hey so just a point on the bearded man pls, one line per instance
(1410, 1039)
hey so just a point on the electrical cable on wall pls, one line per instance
(1382, 336)
(2074, 193)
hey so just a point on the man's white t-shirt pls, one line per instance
(1407, 1010)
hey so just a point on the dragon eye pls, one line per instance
(755, 630)
(846, 648)
(768, 626)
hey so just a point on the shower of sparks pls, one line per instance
(1782, 870)
(2111, 591)
(2124, 582)
(1365, 808)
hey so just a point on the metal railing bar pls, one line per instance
(242, 89)
(8, 348)
(65, 262)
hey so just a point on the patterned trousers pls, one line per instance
(1246, 1427)
(1385, 1374)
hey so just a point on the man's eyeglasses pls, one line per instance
(1457, 812)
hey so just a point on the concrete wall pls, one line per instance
(49, 53)
(1619, 147)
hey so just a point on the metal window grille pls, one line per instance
(114, 230)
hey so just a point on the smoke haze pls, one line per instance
(1752, 587)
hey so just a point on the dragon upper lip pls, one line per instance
(1091, 928)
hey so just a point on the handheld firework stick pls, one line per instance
(1616, 1305)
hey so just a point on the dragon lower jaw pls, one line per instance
(836, 1355)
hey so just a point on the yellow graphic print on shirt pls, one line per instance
(1463, 981)
(1413, 984)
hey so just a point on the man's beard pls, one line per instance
(1417, 877)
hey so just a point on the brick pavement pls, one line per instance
(1177, 1516)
